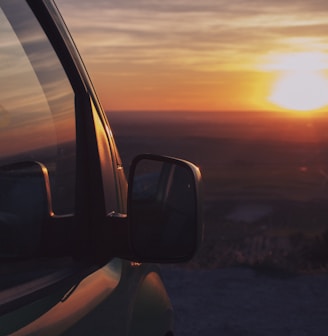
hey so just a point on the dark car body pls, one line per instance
(77, 243)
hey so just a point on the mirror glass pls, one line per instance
(163, 209)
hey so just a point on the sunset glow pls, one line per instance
(300, 91)
(302, 85)
(203, 56)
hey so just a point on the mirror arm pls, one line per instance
(115, 236)
(117, 215)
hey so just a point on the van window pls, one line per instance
(37, 125)
(37, 120)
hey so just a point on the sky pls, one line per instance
(202, 55)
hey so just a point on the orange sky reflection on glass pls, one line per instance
(192, 55)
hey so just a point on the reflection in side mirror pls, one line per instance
(24, 206)
(164, 209)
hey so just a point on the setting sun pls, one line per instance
(301, 91)
(302, 85)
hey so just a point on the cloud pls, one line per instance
(170, 31)
(192, 6)
(152, 38)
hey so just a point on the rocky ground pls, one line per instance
(252, 281)
(243, 301)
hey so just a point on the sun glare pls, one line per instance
(302, 85)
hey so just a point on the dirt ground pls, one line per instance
(242, 301)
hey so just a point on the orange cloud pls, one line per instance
(189, 54)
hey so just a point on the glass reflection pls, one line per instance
(37, 119)
(163, 210)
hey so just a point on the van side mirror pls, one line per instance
(25, 204)
(164, 210)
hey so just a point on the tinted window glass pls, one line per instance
(36, 104)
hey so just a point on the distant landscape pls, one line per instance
(265, 181)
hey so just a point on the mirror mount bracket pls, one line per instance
(113, 238)
(116, 215)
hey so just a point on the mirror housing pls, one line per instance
(164, 209)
